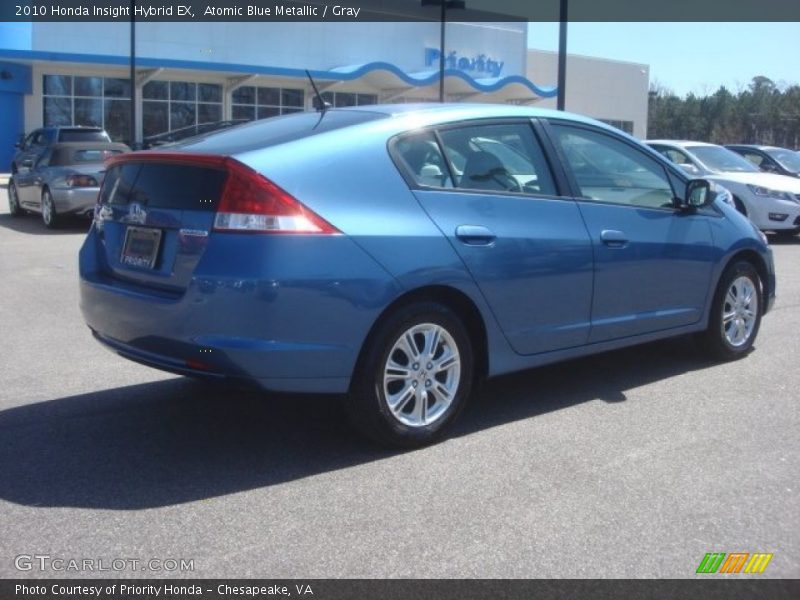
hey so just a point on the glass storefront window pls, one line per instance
(170, 105)
(89, 101)
(251, 102)
(342, 99)
(156, 90)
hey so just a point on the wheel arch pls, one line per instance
(755, 259)
(455, 300)
(739, 204)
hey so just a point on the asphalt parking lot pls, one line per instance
(630, 464)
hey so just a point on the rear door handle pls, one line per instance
(475, 235)
(613, 238)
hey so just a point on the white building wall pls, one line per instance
(596, 87)
(320, 46)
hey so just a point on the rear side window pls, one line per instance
(164, 185)
(78, 135)
(499, 158)
(423, 160)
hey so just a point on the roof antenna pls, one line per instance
(319, 104)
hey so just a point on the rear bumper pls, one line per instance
(317, 385)
(78, 201)
(295, 324)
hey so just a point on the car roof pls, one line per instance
(458, 111)
(381, 120)
(679, 143)
(753, 146)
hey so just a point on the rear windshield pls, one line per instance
(163, 185)
(277, 130)
(82, 135)
(93, 156)
(69, 156)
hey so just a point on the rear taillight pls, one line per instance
(251, 202)
(81, 181)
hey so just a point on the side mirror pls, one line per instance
(698, 193)
(769, 167)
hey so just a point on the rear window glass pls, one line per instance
(181, 187)
(277, 130)
(93, 156)
(71, 156)
(78, 135)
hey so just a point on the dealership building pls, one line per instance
(201, 72)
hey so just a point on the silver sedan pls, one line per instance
(64, 181)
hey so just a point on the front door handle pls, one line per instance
(475, 235)
(613, 238)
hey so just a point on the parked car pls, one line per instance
(391, 253)
(771, 201)
(177, 135)
(64, 180)
(31, 147)
(769, 158)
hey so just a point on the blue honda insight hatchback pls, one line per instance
(394, 254)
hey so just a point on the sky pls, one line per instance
(686, 57)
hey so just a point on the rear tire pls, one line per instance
(13, 200)
(736, 313)
(414, 377)
(50, 217)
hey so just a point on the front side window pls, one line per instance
(498, 158)
(609, 170)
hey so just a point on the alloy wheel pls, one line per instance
(739, 311)
(47, 208)
(421, 375)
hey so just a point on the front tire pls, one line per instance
(50, 217)
(13, 200)
(414, 377)
(736, 314)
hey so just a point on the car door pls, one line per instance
(653, 261)
(496, 200)
(29, 182)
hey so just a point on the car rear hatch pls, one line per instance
(158, 211)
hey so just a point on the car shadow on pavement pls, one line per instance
(32, 224)
(179, 440)
(783, 240)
